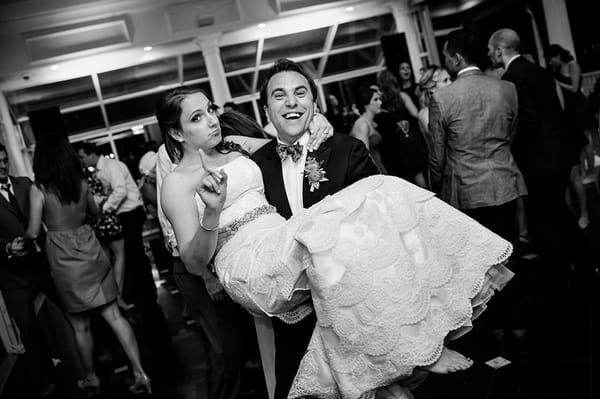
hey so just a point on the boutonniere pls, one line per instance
(314, 172)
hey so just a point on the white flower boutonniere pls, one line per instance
(314, 172)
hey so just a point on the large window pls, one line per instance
(105, 107)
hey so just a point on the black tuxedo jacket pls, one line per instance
(16, 272)
(541, 144)
(345, 160)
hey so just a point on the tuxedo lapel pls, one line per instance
(10, 207)
(21, 194)
(274, 186)
(322, 156)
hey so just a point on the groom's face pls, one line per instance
(290, 105)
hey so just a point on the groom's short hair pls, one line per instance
(285, 65)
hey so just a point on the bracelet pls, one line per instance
(206, 228)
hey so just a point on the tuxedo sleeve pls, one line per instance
(528, 114)
(360, 164)
(437, 143)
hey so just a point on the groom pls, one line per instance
(295, 178)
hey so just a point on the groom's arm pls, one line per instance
(360, 163)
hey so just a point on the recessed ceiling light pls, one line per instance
(262, 26)
(54, 67)
(349, 9)
(148, 48)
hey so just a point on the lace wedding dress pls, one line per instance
(391, 271)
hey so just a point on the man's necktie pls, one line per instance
(294, 151)
(11, 198)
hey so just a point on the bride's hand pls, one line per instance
(320, 130)
(213, 186)
(213, 189)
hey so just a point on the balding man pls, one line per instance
(544, 153)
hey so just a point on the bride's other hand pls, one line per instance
(320, 130)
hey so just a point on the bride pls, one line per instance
(392, 271)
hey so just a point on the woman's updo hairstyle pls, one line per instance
(554, 50)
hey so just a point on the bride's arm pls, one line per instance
(196, 244)
(319, 127)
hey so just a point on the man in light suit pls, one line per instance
(472, 123)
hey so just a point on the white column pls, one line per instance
(557, 24)
(214, 67)
(427, 26)
(12, 140)
(404, 24)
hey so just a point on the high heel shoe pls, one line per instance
(141, 385)
(90, 384)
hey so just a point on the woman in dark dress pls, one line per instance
(403, 148)
(568, 75)
(61, 198)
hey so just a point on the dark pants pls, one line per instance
(138, 286)
(219, 323)
(506, 308)
(554, 228)
(20, 303)
(291, 341)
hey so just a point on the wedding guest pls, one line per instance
(579, 120)
(147, 183)
(403, 149)
(61, 198)
(432, 79)
(24, 273)
(545, 152)
(125, 199)
(365, 128)
(472, 123)
(335, 114)
(109, 232)
(407, 83)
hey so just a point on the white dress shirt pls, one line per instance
(164, 166)
(293, 176)
(514, 57)
(467, 69)
(124, 194)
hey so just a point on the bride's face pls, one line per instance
(199, 122)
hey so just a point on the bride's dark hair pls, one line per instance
(168, 114)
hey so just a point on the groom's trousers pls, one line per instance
(291, 341)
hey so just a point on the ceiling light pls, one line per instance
(54, 67)
(262, 26)
(148, 48)
(349, 9)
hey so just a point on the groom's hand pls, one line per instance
(320, 130)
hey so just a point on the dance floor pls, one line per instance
(560, 358)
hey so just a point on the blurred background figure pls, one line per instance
(147, 183)
(61, 199)
(403, 149)
(365, 128)
(335, 114)
(229, 106)
(579, 121)
(407, 82)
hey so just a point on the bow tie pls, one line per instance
(295, 151)
(5, 187)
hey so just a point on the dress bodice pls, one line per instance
(245, 190)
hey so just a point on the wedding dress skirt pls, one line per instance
(391, 271)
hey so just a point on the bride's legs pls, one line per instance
(449, 362)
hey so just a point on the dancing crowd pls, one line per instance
(360, 251)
